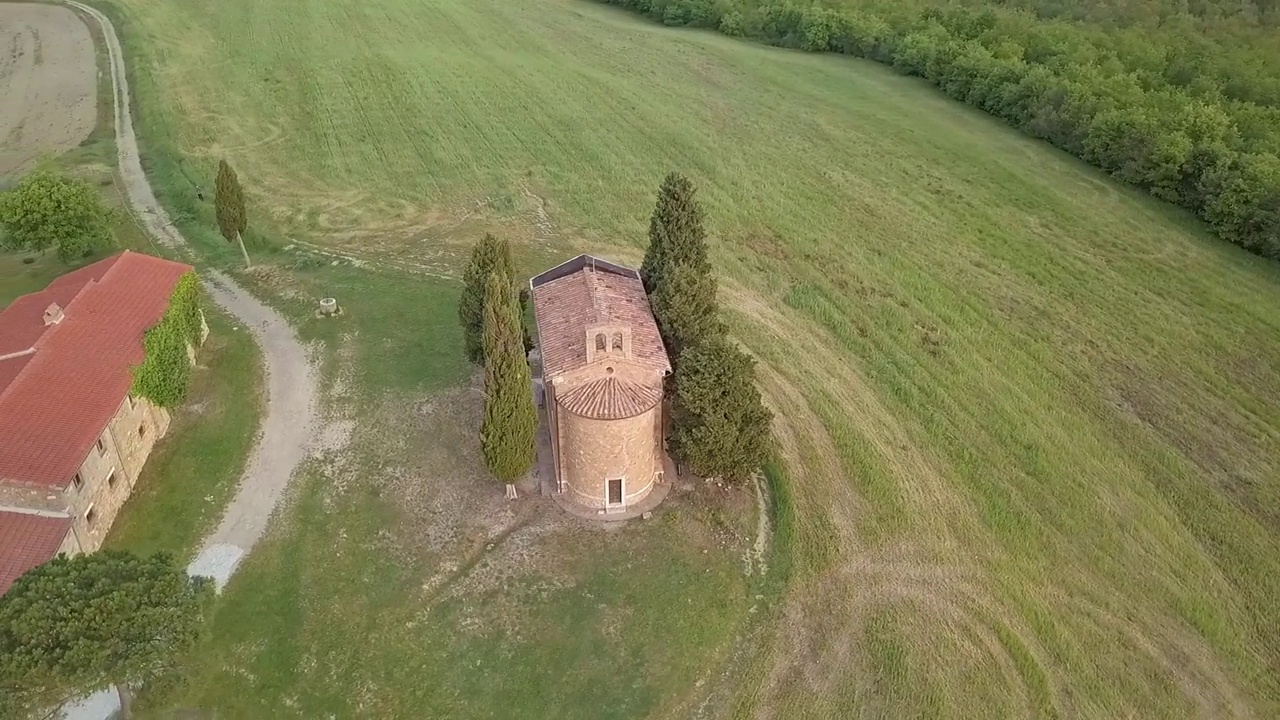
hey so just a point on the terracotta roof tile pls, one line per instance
(55, 406)
(26, 541)
(610, 398)
(586, 291)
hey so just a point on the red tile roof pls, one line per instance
(611, 398)
(28, 540)
(587, 291)
(58, 402)
(22, 323)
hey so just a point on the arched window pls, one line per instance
(601, 342)
(617, 342)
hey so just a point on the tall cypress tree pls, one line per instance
(676, 235)
(720, 424)
(686, 309)
(489, 256)
(228, 204)
(510, 419)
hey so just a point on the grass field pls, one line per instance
(1028, 417)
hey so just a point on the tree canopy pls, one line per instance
(46, 211)
(228, 204)
(490, 256)
(686, 308)
(676, 234)
(77, 625)
(720, 426)
(507, 435)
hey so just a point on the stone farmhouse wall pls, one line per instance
(110, 471)
(105, 478)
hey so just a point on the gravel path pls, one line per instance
(292, 398)
(285, 437)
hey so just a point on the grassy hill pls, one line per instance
(1028, 416)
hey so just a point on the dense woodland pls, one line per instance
(1179, 97)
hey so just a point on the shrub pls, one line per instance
(50, 211)
(733, 24)
(165, 371)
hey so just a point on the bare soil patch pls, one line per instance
(48, 79)
(453, 521)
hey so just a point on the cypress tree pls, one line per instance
(720, 424)
(489, 256)
(676, 235)
(686, 309)
(228, 203)
(510, 419)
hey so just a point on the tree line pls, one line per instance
(720, 427)
(1184, 106)
(49, 211)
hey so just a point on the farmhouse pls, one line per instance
(72, 439)
(603, 365)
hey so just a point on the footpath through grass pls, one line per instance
(1028, 416)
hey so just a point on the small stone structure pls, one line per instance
(603, 366)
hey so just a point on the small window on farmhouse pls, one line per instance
(111, 479)
(617, 342)
(102, 448)
(602, 342)
(77, 481)
(90, 515)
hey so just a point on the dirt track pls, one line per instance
(48, 79)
